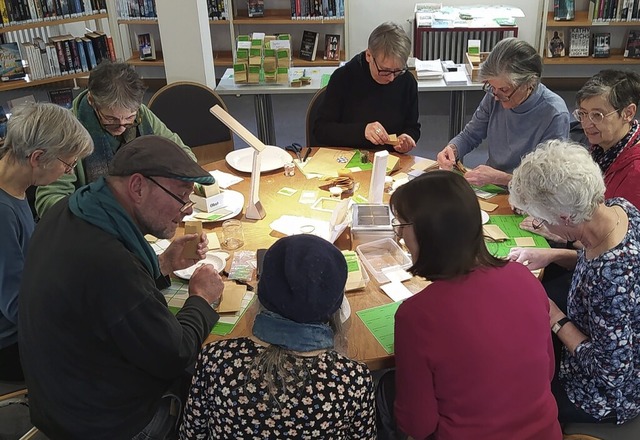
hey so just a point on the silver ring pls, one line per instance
(378, 130)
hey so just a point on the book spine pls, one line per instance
(4, 16)
(88, 46)
(111, 49)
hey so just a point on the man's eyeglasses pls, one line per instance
(594, 116)
(490, 90)
(108, 122)
(385, 72)
(397, 226)
(68, 167)
(185, 205)
(537, 223)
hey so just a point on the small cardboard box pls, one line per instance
(472, 63)
(207, 204)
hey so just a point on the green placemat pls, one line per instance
(380, 321)
(510, 226)
(324, 79)
(179, 291)
(491, 188)
(356, 161)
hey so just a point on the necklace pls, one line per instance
(609, 233)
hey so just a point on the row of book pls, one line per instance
(309, 46)
(66, 54)
(582, 43)
(316, 9)
(217, 10)
(138, 9)
(27, 11)
(614, 10)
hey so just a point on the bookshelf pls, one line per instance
(617, 29)
(24, 31)
(278, 19)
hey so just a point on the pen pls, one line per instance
(306, 155)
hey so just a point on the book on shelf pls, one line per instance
(601, 45)
(11, 66)
(62, 97)
(564, 10)
(255, 8)
(632, 46)
(332, 47)
(555, 44)
(3, 123)
(309, 45)
(579, 41)
(147, 47)
(217, 10)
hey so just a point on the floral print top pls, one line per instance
(228, 399)
(604, 303)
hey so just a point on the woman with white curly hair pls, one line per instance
(561, 186)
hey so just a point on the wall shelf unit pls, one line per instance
(618, 31)
(23, 32)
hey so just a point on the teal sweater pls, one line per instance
(47, 196)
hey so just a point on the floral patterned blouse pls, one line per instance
(228, 399)
(604, 303)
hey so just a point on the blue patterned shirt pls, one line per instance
(604, 303)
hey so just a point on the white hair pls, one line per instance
(558, 179)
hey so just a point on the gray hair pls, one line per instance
(390, 40)
(559, 178)
(620, 88)
(116, 85)
(273, 366)
(514, 59)
(47, 127)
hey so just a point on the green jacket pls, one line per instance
(48, 195)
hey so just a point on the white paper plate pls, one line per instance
(232, 200)
(485, 216)
(271, 158)
(212, 258)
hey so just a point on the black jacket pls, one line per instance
(98, 344)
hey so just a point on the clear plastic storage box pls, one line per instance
(381, 256)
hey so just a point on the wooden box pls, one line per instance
(472, 63)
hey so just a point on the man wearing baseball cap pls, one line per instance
(103, 355)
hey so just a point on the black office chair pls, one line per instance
(604, 431)
(312, 115)
(15, 393)
(184, 108)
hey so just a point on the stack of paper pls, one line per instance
(429, 69)
(455, 78)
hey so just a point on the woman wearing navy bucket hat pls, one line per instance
(289, 379)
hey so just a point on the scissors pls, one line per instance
(295, 148)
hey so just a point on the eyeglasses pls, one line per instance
(385, 72)
(185, 205)
(68, 167)
(594, 116)
(397, 226)
(110, 124)
(537, 223)
(490, 90)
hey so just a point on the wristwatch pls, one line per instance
(555, 328)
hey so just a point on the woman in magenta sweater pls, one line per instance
(473, 351)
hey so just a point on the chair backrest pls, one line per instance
(184, 108)
(312, 115)
(603, 431)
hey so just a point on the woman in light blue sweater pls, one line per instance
(516, 114)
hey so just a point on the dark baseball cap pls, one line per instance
(157, 156)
